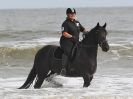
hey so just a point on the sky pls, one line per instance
(13, 4)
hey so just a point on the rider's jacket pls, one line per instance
(72, 27)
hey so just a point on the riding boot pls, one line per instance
(64, 64)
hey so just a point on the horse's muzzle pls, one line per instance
(105, 46)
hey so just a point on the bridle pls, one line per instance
(101, 42)
(88, 46)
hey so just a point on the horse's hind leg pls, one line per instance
(39, 80)
(91, 77)
(87, 79)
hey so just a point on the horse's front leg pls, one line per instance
(87, 79)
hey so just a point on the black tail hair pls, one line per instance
(30, 79)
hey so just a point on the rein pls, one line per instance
(88, 46)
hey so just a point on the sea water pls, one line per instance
(23, 32)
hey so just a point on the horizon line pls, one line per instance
(65, 7)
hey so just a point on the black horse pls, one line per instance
(48, 59)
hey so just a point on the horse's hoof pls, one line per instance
(86, 85)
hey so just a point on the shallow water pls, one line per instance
(101, 86)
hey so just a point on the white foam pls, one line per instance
(29, 43)
(121, 45)
(102, 85)
(115, 44)
(115, 52)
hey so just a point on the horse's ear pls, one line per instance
(98, 24)
(104, 26)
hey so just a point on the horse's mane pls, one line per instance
(86, 35)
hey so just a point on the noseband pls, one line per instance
(103, 42)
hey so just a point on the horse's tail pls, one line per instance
(38, 67)
(30, 79)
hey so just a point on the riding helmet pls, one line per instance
(70, 10)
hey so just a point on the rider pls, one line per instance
(70, 36)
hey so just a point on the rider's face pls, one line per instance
(71, 16)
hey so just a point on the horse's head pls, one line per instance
(98, 36)
(101, 34)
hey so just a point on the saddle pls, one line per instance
(59, 52)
